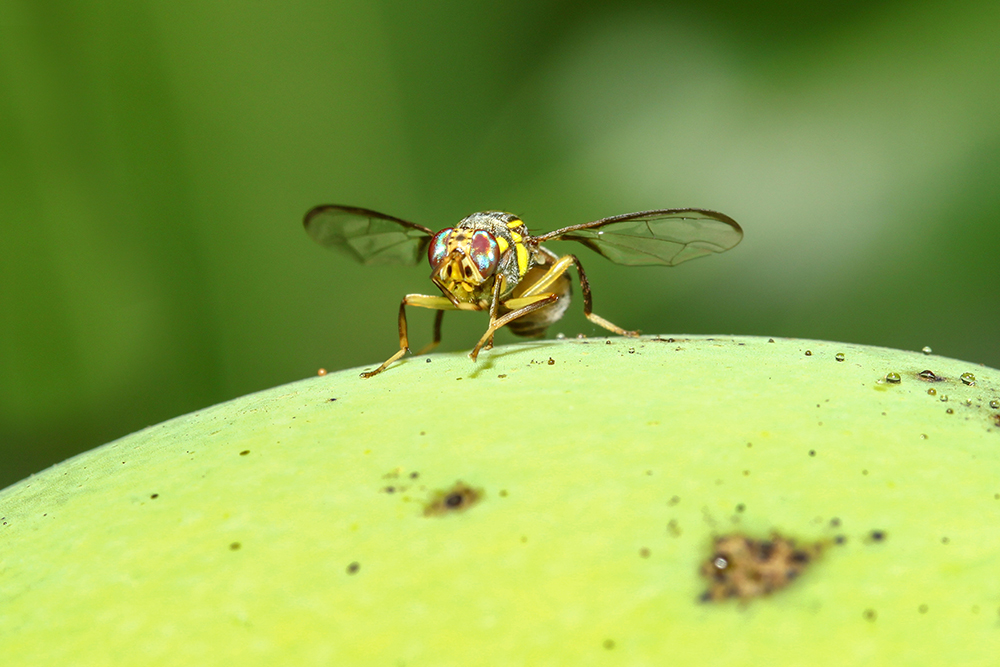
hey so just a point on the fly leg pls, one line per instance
(438, 303)
(560, 267)
(494, 304)
(437, 334)
(520, 306)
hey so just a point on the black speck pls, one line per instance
(331, 400)
(353, 568)
(427, 360)
(244, 452)
(876, 535)
(235, 546)
(812, 452)
(154, 496)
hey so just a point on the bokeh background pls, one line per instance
(156, 159)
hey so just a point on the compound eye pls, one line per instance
(484, 252)
(438, 249)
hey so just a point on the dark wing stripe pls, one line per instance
(367, 236)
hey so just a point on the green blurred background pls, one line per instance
(156, 159)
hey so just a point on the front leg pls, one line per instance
(439, 303)
(522, 306)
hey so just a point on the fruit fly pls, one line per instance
(489, 261)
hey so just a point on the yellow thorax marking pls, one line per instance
(522, 259)
(502, 242)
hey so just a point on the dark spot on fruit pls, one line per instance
(644, 552)
(459, 497)
(869, 614)
(235, 546)
(244, 452)
(876, 536)
(812, 452)
(608, 644)
(552, 362)
(353, 568)
(922, 609)
(809, 353)
(154, 496)
(929, 376)
(746, 568)
(331, 400)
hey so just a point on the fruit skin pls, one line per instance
(287, 528)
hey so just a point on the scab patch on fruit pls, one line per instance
(458, 498)
(746, 568)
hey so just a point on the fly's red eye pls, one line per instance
(438, 248)
(484, 252)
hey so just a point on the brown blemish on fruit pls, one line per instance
(353, 567)
(458, 498)
(746, 568)
(929, 376)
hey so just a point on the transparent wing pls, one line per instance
(367, 236)
(664, 237)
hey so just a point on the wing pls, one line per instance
(664, 237)
(367, 236)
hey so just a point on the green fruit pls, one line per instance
(553, 504)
